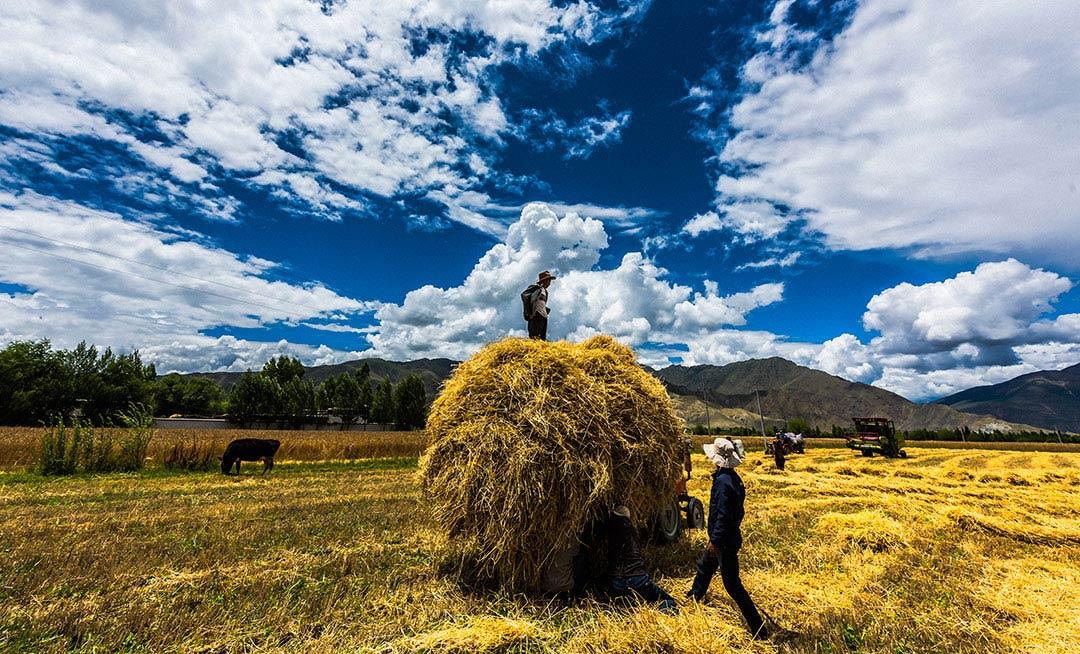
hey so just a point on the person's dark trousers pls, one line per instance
(643, 587)
(538, 327)
(728, 563)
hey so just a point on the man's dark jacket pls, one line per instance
(726, 508)
(624, 550)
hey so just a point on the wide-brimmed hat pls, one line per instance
(545, 275)
(722, 452)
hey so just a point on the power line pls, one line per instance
(164, 269)
(161, 281)
(167, 270)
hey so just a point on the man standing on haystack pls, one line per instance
(725, 538)
(534, 299)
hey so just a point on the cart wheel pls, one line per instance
(868, 453)
(669, 523)
(903, 454)
(695, 513)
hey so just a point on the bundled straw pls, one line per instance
(530, 441)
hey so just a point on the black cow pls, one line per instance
(249, 449)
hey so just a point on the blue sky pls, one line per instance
(886, 190)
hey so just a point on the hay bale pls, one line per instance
(530, 441)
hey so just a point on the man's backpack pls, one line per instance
(527, 297)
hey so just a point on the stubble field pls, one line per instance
(948, 551)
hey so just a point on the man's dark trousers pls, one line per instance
(646, 589)
(538, 327)
(728, 562)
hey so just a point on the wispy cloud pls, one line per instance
(325, 104)
(546, 130)
(785, 261)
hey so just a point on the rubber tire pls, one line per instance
(669, 524)
(868, 453)
(695, 514)
(903, 454)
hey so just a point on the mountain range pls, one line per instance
(1048, 399)
(786, 390)
(728, 396)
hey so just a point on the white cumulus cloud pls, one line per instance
(937, 126)
(633, 301)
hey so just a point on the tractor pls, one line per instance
(877, 436)
(671, 521)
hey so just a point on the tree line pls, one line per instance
(801, 426)
(39, 384)
(280, 393)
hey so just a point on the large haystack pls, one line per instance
(530, 441)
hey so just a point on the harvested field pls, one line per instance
(949, 551)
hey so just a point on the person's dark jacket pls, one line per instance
(624, 550)
(726, 508)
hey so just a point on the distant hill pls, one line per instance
(1049, 399)
(788, 390)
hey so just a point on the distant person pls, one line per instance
(779, 446)
(725, 538)
(534, 300)
(629, 577)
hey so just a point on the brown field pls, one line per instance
(948, 551)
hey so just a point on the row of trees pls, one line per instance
(39, 384)
(279, 392)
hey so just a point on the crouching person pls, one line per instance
(629, 577)
(725, 538)
(561, 577)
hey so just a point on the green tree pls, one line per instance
(185, 394)
(252, 396)
(341, 396)
(36, 384)
(283, 369)
(798, 426)
(363, 382)
(106, 384)
(297, 400)
(382, 404)
(410, 403)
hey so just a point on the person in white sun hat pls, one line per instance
(725, 538)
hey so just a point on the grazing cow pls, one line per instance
(249, 449)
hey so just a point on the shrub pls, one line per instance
(133, 447)
(59, 452)
(81, 448)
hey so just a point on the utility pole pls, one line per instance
(761, 418)
(708, 420)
